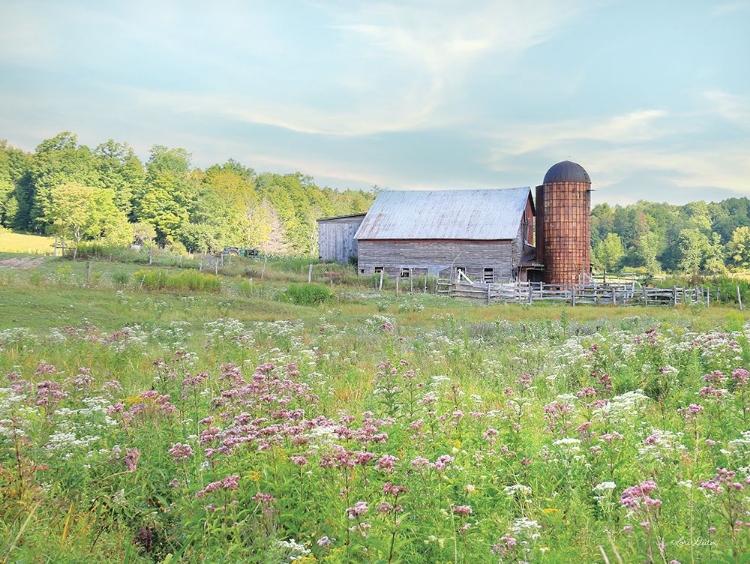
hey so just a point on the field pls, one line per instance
(19, 243)
(233, 425)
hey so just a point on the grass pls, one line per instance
(234, 426)
(18, 243)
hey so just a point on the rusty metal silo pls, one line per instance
(564, 228)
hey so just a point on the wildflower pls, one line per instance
(443, 461)
(298, 460)
(504, 545)
(516, 489)
(180, 452)
(740, 376)
(386, 463)
(131, 459)
(325, 541)
(462, 510)
(392, 489)
(359, 508)
(690, 412)
(263, 498)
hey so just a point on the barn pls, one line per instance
(486, 235)
(336, 242)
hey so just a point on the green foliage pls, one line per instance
(461, 433)
(308, 294)
(184, 280)
(609, 252)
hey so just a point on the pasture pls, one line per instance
(234, 425)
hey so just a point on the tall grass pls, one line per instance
(183, 280)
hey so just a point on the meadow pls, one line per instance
(226, 423)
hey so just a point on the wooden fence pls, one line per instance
(530, 292)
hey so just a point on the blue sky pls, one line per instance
(652, 98)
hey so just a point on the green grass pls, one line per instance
(18, 243)
(432, 376)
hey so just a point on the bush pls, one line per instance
(121, 278)
(184, 280)
(308, 294)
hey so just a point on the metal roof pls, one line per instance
(445, 214)
(567, 171)
(342, 217)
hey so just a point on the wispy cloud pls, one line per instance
(726, 8)
(731, 107)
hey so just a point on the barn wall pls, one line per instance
(474, 256)
(336, 240)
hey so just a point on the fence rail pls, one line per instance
(529, 292)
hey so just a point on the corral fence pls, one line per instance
(573, 294)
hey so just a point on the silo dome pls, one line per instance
(567, 171)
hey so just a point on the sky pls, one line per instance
(651, 98)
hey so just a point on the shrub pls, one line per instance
(308, 294)
(184, 280)
(121, 278)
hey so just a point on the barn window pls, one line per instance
(405, 272)
(489, 275)
(378, 269)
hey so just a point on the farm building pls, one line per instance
(486, 235)
(336, 240)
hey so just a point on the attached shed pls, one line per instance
(336, 240)
(486, 234)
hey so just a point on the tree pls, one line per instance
(609, 253)
(168, 193)
(121, 171)
(692, 249)
(69, 211)
(57, 161)
(739, 247)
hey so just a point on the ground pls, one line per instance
(22, 262)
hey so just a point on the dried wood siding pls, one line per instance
(336, 240)
(473, 256)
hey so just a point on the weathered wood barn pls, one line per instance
(486, 234)
(336, 240)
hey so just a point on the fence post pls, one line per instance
(739, 297)
(614, 295)
(309, 274)
(380, 286)
(88, 274)
(488, 294)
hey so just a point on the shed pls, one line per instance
(486, 234)
(336, 240)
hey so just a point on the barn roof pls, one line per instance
(445, 214)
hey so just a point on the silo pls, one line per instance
(564, 228)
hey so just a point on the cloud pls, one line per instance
(727, 8)
(735, 109)
(633, 127)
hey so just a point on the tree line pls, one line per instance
(107, 194)
(694, 239)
